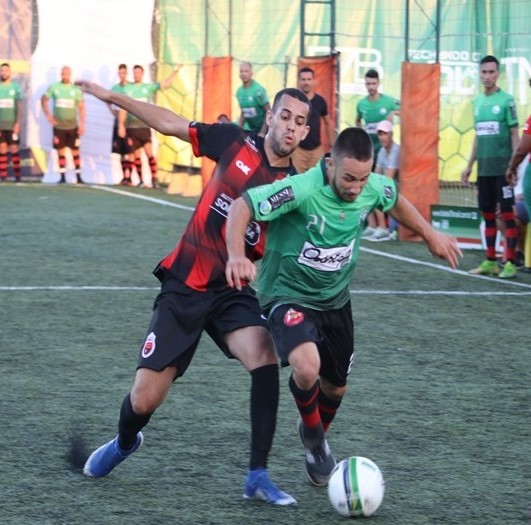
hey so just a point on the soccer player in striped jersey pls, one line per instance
(194, 293)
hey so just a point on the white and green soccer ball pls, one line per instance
(356, 487)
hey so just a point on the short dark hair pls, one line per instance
(353, 143)
(5, 64)
(122, 66)
(307, 70)
(291, 92)
(490, 58)
(372, 73)
(138, 67)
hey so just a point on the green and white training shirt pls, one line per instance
(494, 116)
(313, 238)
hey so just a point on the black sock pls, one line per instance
(130, 424)
(264, 406)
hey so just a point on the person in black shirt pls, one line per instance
(310, 149)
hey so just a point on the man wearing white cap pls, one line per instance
(387, 163)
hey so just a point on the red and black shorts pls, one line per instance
(65, 138)
(332, 331)
(138, 137)
(180, 316)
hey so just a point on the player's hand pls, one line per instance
(239, 269)
(93, 89)
(510, 177)
(465, 175)
(444, 247)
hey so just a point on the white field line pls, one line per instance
(353, 292)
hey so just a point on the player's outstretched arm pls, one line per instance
(160, 119)
(238, 268)
(439, 244)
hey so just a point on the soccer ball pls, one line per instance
(356, 487)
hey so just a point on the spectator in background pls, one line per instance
(253, 101)
(67, 119)
(10, 117)
(496, 138)
(119, 144)
(374, 108)
(310, 150)
(387, 163)
(137, 133)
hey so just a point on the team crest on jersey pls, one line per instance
(388, 192)
(496, 109)
(149, 345)
(293, 318)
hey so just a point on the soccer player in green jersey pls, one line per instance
(496, 138)
(253, 101)
(10, 117)
(315, 223)
(137, 134)
(119, 144)
(374, 108)
(67, 119)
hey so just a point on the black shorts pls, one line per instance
(119, 144)
(493, 191)
(65, 138)
(6, 135)
(181, 314)
(332, 331)
(138, 137)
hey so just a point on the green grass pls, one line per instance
(439, 396)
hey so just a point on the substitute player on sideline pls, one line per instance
(496, 139)
(194, 294)
(316, 223)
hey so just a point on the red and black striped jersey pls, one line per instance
(199, 258)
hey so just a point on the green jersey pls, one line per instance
(312, 249)
(143, 92)
(252, 100)
(494, 116)
(10, 94)
(66, 99)
(373, 111)
(119, 88)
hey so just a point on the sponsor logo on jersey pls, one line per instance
(491, 127)
(276, 200)
(149, 345)
(293, 318)
(222, 204)
(252, 233)
(326, 259)
(242, 166)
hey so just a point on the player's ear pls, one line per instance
(269, 118)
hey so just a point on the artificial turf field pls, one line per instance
(439, 397)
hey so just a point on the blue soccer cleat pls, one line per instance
(108, 456)
(259, 486)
